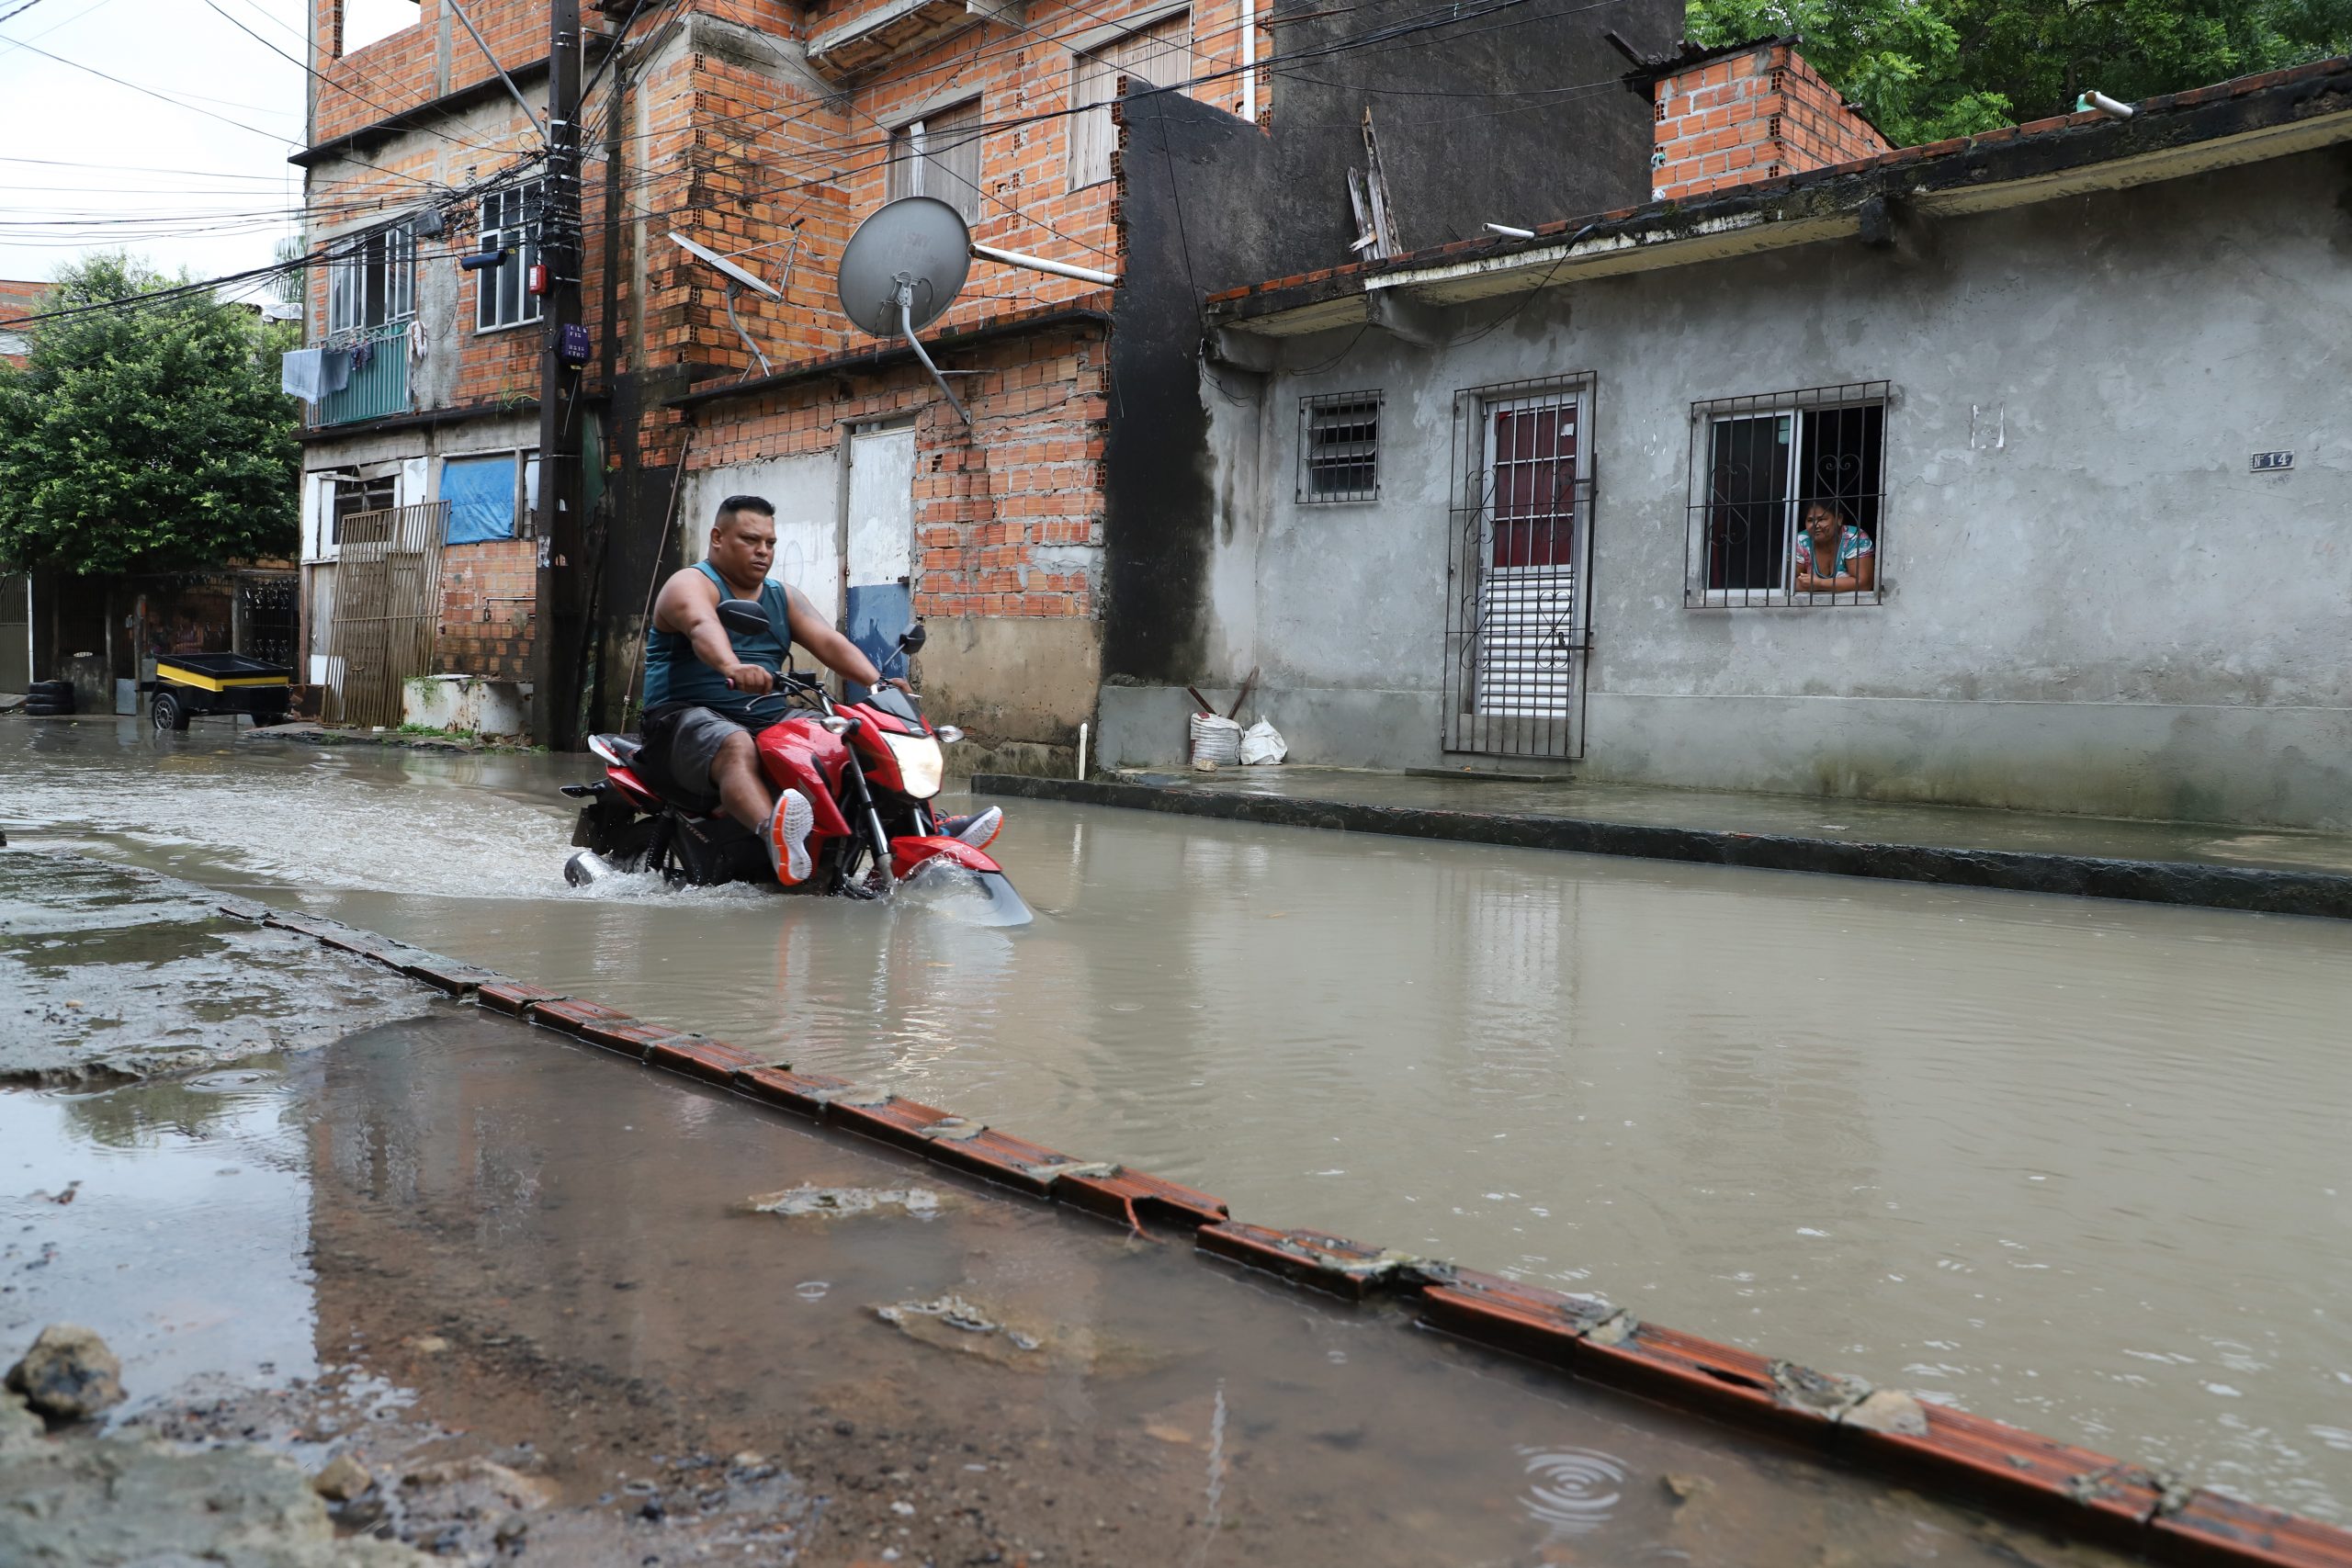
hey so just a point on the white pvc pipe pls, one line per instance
(1081, 751)
(1039, 263)
(2111, 107)
(1249, 60)
(1509, 232)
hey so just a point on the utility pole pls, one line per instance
(558, 647)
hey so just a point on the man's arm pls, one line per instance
(836, 652)
(689, 608)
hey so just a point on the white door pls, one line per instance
(1528, 617)
(881, 540)
(806, 492)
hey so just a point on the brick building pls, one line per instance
(1752, 111)
(766, 130)
(18, 300)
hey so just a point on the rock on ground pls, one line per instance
(69, 1374)
(93, 1501)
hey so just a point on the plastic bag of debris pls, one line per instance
(1216, 741)
(1261, 742)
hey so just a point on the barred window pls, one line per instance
(1339, 447)
(510, 220)
(371, 280)
(1788, 498)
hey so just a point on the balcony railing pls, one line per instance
(377, 388)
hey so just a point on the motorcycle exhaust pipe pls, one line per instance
(585, 868)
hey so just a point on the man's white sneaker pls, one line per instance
(978, 829)
(788, 836)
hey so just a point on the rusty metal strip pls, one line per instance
(2072, 1489)
(512, 998)
(800, 1093)
(699, 1056)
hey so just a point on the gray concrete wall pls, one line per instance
(2091, 603)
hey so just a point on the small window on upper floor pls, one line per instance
(371, 281)
(939, 155)
(510, 219)
(1339, 447)
(368, 21)
(362, 498)
(1788, 499)
(1160, 54)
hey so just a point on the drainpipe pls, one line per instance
(1249, 60)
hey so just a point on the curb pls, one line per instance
(2256, 890)
(1844, 1419)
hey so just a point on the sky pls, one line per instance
(88, 164)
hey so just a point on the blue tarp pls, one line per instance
(480, 493)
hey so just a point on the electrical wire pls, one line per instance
(344, 87)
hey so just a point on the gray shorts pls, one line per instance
(690, 737)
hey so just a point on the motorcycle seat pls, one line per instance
(623, 748)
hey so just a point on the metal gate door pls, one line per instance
(386, 608)
(1517, 630)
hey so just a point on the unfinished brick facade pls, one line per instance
(1756, 113)
(763, 129)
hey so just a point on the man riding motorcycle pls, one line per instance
(703, 683)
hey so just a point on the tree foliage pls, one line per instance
(1923, 70)
(146, 436)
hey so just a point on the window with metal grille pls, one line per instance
(509, 222)
(939, 155)
(1788, 499)
(371, 281)
(1339, 447)
(360, 498)
(1160, 54)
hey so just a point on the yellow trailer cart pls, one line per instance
(189, 684)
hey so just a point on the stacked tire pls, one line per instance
(50, 698)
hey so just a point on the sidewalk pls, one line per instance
(2277, 871)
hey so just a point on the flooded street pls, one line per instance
(2080, 1166)
(461, 1238)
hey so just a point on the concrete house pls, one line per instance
(2070, 396)
(766, 130)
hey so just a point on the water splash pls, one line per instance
(1574, 1490)
(1213, 1515)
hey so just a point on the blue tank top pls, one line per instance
(673, 674)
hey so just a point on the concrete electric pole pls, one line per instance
(558, 645)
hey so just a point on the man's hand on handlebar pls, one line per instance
(897, 681)
(752, 677)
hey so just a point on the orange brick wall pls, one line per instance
(487, 593)
(1748, 117)
(1028, 475)
(406, 69)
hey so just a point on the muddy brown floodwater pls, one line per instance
(2079, 1165)
(463, 1239)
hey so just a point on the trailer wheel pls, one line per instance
(168, 712)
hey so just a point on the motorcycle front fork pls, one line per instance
(880, 841)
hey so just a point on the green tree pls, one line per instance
(145, 436)
(1923, 70)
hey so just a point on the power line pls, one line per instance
(340, 87)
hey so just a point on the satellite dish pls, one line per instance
(727, 269)
(738, 279)
(901, 270)
(918, 241)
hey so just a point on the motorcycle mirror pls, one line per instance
(744, 617)
(913, 637)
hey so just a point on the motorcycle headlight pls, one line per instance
(921, 763)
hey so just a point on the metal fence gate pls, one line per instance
(1517, 628)
(386, 609)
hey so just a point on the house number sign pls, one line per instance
(2265, 462)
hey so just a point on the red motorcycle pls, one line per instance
(869, 769)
